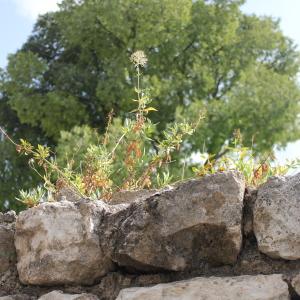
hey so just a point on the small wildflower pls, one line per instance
(139, 58)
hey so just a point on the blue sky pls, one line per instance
(16, 22)
(18, 16)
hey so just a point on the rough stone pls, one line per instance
(58, 295)
(7, 248)
(214, 288)
(17, 297)
(8, 217)
(58, 243)
(189, 228)
(124, 197)
(249, 201)
(178, 229)
(9, 282)
(276, 217)
(66, 193)
(110, 285)
(296, 284)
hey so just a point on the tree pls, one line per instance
(208, 55)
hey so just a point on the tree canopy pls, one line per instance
(203, 55)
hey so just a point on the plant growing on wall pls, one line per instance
(129, 157)
(126, 157)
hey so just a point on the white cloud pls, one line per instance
(32, 8)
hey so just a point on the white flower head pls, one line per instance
(139, 58)
(31, 162)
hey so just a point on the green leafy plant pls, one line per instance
(32, 197)
(128, 156)
(256, 170)
(132, 155)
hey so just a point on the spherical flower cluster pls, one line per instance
(139, 59)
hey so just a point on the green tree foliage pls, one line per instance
(202, 54)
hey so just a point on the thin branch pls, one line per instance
(120, 43)
(118, 143)
(186, 48)
(220, 154)
(7, 136)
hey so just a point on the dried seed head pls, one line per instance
(139, 58)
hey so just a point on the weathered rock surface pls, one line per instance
(178, 229)
(67, 250)
(110, 286)
(9, 217)
(66, 193)
(17, 297)
(276, 217)
(296, 284)
(126, 197)
(214, 288)
(249, 202)
(7, 248)
(58, 295)
(9, 282)
(58, 243)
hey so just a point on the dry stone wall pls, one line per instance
(210, 238)
(227, 288)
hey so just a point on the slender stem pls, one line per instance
(36, 171)
(139, 114)
(138, 81)
(63, 175)
(7, 136)
(106, 136)
(183, 169)
(118, 143)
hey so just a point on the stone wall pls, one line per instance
(210, 238)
